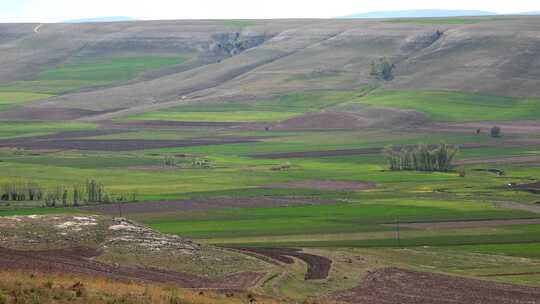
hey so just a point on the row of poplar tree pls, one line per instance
(421, 157)
(91, 191)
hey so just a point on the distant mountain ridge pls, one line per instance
(420, 14)
(102, 19)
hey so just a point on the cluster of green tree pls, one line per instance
(91, 192)
(21, 191)
(421, 157)
(383, 69)
(169, 161)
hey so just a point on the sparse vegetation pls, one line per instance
(18, 287)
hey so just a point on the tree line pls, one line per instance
(421, 157)
(91, 192)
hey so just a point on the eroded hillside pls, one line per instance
(215, 61)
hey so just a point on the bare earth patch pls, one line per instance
(508, 127)
(50, 113)
(319, 121)
(203, 204)
(399, 286)
(534, 159)
(112, 144)
(324, 185)
(79, 261)
(518, 206)
(467, 224)
(318, 266)
(378, 150)
(119, 249)
(174, 124)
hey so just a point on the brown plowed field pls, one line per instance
(467, 224)
(173, 124)
(508, 127)
(501, 160)
(203, 204)
(378, 150)
(318, 267)
(324, 185)
(398, 286)
(78, 261)
(51, 113)
(112, 144)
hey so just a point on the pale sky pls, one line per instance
(61, 10)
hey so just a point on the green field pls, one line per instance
(284, 107)
(11, 99)
(456, 106)
(349, 220)
(87, 72)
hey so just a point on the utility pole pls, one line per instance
(398, 236)
(120, 208)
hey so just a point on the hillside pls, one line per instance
(175, 62)
(420, 14)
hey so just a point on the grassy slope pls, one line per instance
(89, 72)
(456, 106)
(281, 108)
(11, 129)
(11, 99)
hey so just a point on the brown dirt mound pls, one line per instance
(318, 266)
(203, 204)
(78, 261)
(326, 121)
(467, 224)
(324, 185)
(398, 286)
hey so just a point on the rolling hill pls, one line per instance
(420, 14)
(108, 70)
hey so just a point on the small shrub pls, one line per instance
(383, 69)
(495, 131)
(462, 172)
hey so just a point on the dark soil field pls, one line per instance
(318, 267)
(324, 185)
(468, 224)
(113, 144)
(78, 261)
(174, 124)
(378, 150)
(398, 286)
(202, 204)
(52, 113)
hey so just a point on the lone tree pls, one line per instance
(495, 131)
(383, 69)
